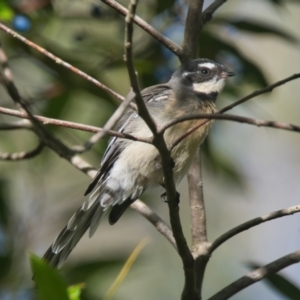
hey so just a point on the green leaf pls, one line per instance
(74, 291)
(49, 284)
(6, 13)
(258, 27)
(280, 284)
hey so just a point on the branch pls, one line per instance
(256, 93)
(257, 275)
(67, 124)
(157, 222)
(176, 49)
(166, 161)
(197, 209)
(60, 62)
(227, 117)
(22, 155)
(198, 221)
(193, 27)
(251, 223)
(210, 10)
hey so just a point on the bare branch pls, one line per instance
(197, 209)
(166, 162)
(72, 125)
(142, 109)
(22, 155)
(60, 61)
(251, 223)
(227, 117)
(200, 244)
(256, 93)
(210, 10)
(193, 27)
(176, 49)
(157, 222)
(257, 275)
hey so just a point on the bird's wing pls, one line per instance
(155, 95)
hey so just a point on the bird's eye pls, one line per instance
(204, 71)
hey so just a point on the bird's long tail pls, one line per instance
(87, 216)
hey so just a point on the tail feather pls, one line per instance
(70, 235)
(105, 195)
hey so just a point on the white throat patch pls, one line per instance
(211, 86)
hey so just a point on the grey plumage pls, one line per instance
(128, 168)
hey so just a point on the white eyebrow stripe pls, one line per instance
(207, 65)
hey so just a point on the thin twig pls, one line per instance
(16, 156)
(251, 223)
(210, 10)
(257, 275)
(157, 222)
(176, 49)
(72, 125)
(235, 118)
(256, 93)
(61, 62)
(112, 121)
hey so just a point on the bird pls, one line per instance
(129, 168)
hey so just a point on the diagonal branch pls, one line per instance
(256, 93)
(257, 275)
(61, 62)
(157, 222)
(67, 124)
(251, 223)
(176, 49)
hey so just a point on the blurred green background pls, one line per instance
(248, 171)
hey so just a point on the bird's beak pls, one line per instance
(226, 74)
